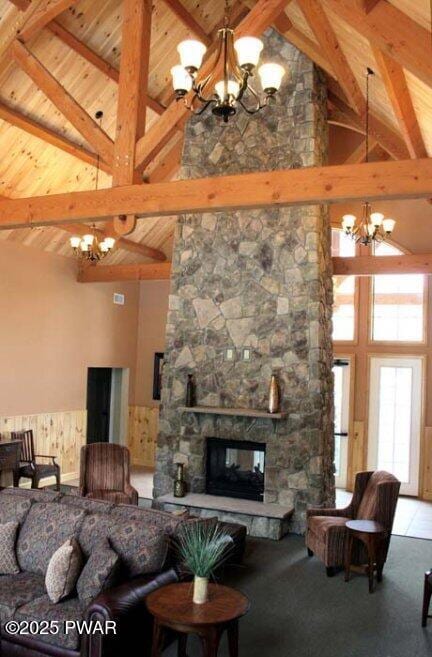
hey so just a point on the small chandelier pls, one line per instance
(373, 226)
(88, 246)
(228, 84)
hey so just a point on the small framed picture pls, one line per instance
(157, 374)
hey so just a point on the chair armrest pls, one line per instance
(125, 606)
(45, 456)
(130, 490)
(317, 511)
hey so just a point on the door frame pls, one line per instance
(423, 359)
(352, 365)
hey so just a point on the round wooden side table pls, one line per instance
(172, 609)
(373, 536)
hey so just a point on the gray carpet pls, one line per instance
(296, 611)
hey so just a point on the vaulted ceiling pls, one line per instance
(42, 153)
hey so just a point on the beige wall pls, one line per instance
(153, 301)
(52, 328)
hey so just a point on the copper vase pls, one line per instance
(274, 395)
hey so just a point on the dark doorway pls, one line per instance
(98, 404)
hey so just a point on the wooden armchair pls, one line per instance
(105, 473)
(375, 498)
(29, 467)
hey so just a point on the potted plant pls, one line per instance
(202, 548)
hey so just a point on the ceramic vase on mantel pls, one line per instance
(190, 391)
(200, 590)
(274, 395)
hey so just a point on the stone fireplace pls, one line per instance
(257, 283)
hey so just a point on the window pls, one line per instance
(397, 304)
(343, 290)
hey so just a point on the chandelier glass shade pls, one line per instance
(89, 248)
(228, 85)
(372, 227)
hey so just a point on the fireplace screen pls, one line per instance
(235, 468)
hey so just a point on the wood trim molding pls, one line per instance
(291, 187)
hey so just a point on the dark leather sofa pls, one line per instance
(124, 604)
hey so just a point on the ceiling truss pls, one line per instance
(134, 157)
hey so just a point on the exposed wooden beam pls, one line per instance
(64, 101)
(371, 265)
(302, 42)
(131, 105)
(381, 132)
(40, 131)
(141, 272)
(292, 187)
(254, 24)
(326, 37)
(21, 4)
(11, 26)
(358, 155)
(96, 60)
(392, 31)
(167, 167)
(397, 90)
(121, 242)
(188, 20)
(366, 5)
(44, 15)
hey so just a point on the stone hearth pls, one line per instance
(257, 279)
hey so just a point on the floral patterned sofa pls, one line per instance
(48, 519)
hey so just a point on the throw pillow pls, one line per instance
(99, 573)
(8, 561)
(63, 570)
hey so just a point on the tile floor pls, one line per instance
(413, 517)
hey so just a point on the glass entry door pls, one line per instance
(341, 372)
(395, 419)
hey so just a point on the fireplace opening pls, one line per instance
(235, 468)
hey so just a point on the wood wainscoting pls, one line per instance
(58, 434)
(142, 435)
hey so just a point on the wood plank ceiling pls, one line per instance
(31, 126)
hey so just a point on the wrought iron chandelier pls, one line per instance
(88, 247)
(229, 83)
(372, 226)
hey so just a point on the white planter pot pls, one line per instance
(200, 590)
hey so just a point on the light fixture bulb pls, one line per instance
(233, 88)
(388, 225)
(191, 53)
(109, 241)
(75, 242)
(377, 218)
(182, 81)
(88, 239)
(370, 229)
(348, 221)
(84, 246)
(271, 77)
(104, 247)
(248, 51)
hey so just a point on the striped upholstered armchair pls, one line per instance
(105, 473)
(374, 498)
